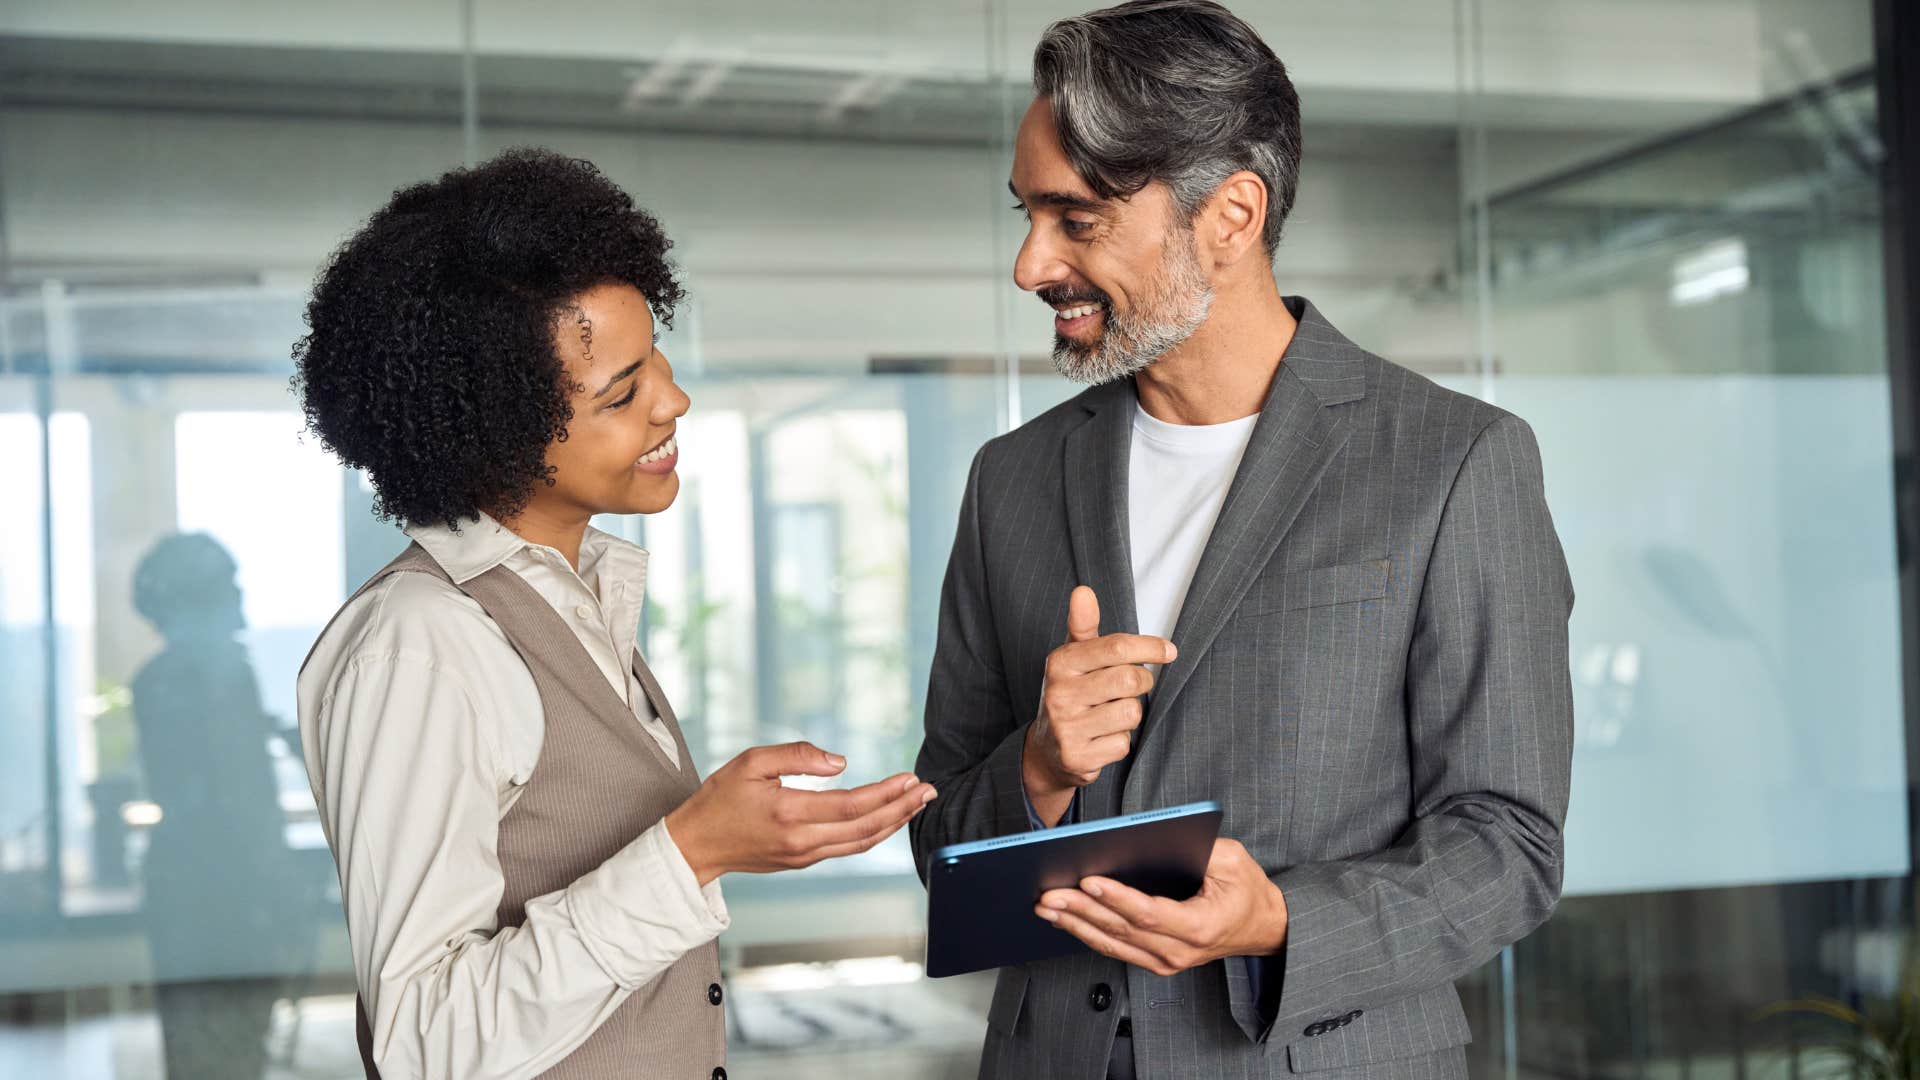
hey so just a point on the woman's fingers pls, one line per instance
(878, 822)
(789, 759)
(824, 807)
(855, 847)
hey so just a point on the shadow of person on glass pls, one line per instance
(218, 876)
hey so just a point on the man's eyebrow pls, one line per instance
(624, 372)
(1059, 199)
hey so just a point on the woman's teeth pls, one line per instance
(664, 450)
(1072, 313)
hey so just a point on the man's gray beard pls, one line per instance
(1176, 308)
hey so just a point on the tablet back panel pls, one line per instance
(980, 896)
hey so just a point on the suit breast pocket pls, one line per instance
(1323, 586)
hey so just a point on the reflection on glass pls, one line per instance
(219, 880)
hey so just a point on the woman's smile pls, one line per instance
(662, 458)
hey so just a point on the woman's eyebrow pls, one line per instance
(623, 373)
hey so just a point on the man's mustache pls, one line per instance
(1059, 295)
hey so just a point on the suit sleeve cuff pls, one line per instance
(1068, 816)
(642, 909)
(1318, 948)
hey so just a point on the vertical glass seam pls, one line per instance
(1477, 229)
(1006, 354)
(469, 88)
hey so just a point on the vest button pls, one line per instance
(719, 1073)
(714, 994)
(1101, 998)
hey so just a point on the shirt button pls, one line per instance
(1101, 998)
(714, 994)
(584, 611)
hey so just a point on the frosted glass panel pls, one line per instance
(1735, 642)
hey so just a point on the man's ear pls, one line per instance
(1234, 220)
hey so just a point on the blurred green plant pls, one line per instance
(115, 738)
(1879, 1041)
(689, 629)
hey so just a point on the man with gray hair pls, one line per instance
(1333, 600)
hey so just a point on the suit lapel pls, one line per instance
(1096, 478)
(1298, 433)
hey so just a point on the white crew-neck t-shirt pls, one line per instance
(1177, 477)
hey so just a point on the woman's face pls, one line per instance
(619, 454)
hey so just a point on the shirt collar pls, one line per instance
(613, 559)
(481, 543)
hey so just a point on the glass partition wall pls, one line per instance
(1694, 323)
(1650, 229)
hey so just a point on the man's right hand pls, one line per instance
(743, 820)
(1089, 706)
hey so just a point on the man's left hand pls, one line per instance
(1237, 912)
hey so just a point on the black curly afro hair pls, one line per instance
(431, 361)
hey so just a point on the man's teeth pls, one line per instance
(1072, 313)
(664, 450)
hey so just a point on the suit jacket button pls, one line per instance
(1350, 1017)
(1101, 998)
(714, 994)
(1314, 1031)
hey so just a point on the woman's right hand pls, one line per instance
(741, 820)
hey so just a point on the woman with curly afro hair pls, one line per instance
(528, 860)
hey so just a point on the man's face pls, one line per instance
(1122, 275)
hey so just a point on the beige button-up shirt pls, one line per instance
(423, 722)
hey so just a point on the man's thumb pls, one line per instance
(1083, 615)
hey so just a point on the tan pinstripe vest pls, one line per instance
(600, 782)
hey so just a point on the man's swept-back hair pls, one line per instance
(1180, 91)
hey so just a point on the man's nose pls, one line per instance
(1037, 266)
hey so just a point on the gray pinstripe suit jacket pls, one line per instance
(1372, 680)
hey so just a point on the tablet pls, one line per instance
(980, 896)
